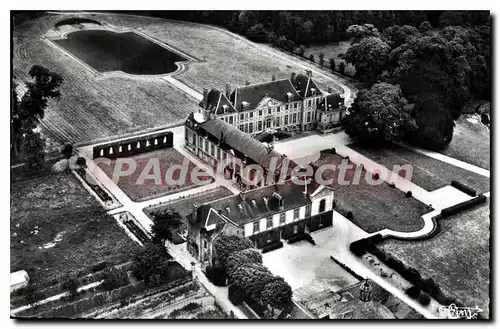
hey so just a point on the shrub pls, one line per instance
(350, 215)
(81, 161)
(333, 150)
(114, 278)
(67, 151)
(235, 295)
(408, 194)
(413, 292)
(463, 206)
(375, 176)
(485, 119)
(424, 299)
(216, 275)
(464, 188)
(99, 266)
(392, 185)
(346, 157)
(272, 247)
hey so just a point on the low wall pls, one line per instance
(134, 145)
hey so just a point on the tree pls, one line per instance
(359, 32)
(242, 258)
(164, 223)
(27, 113)
(397, 35)
(311, 58)
(67, 151)
(31, 295)
(342, 66)
(301, 50)
(425, 26)
(332, 64)
(277, 293)
(115, 278)
(380, 114)
(225, 245)
(321, 57)
(257, 33)
(149, 262)
(34, 146)
(369, 56)
(71, 285)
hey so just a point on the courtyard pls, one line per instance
(153, 167)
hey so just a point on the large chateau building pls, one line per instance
(265, 215)
(294, 104)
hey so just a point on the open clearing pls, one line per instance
(457, 258)
(428, 173)
(58, 228)
(375, 207)
(93, 107)
(471, 142)
(156, 183)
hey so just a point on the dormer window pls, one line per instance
(240, 207)
(244, 105)
(254, 203)
(289, 96)
(279, 198)
(228, 210)
(225, 107)
(313, 91)
(265, 199)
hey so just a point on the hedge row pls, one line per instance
(300, 237)
(272, 247)
(464, 188)
(216, 275)
(361, 247)
(348, 269)
(463, 206)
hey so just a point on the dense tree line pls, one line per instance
(418, 79)
(244, 269)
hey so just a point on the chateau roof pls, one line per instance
(217, 103)
(252, 205)
(253, 94)
(330, 102)
(305, 85)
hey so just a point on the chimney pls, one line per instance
(293, 79)
(365, 291)
(228, 90)
(309, 73)
(329, 89)
(194, 214)
(273, 78)
(205, 97)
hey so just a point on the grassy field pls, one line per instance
(151, 188)
(58, 228)
(96, 107)
(457, 258)
(331, 51)
(374, 207)
(471, 142)
(428, 173)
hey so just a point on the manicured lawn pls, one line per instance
(428, 173)
(471, 142)
(152, 188)
(55, 211)
(331, 51)
(457, 258)
(375, 207)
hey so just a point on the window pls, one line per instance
(296, 214)
(259, 126)
(269, 223)
(206, 146)
(256, 227)
(294, 118)
(277, 122)
(286, 107)
(295, 105)
(250, 127)
(212, 149)
(242, 116)
(282, 218)
(269, 237)
(260, 113)
(295, 229)
(231, 120)
(278, 109)
(269, 110)
(322, 205)
(250, 115)
(286, 120)
(218, 154)
(242, 127)
(308, 116)
(308, 210)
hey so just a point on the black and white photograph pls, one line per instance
(251, 164)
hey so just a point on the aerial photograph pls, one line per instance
(250, 165)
